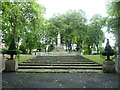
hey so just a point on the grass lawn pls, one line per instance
(23, 58)
(97, 58)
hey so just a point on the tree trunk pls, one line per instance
(30, 51)
(97, 49)
(89, 50)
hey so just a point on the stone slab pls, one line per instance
(60, 80)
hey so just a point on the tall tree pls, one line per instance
(71, 25)
(113, 9)
(19, 19)
(97, 23)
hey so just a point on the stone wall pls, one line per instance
(118, 64)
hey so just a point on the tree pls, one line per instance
(75, 28)
(22, 21)
(71, 26)
(113, 9)
(94, 38)
(97, 23)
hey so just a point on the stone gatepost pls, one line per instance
(11, 65)
(109, 66)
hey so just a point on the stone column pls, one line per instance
(59, 40)
(11, 65)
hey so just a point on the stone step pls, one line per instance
(61, 67)
(62, 56)
(60, 62)
(58, 71)
(37, 64)
(59, 59)
(65, 57)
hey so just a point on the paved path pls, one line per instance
(59, 80)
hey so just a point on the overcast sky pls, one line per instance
(91, 7)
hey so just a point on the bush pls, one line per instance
(4, 50)
(50, 48)
(23, 49)
(15, 52)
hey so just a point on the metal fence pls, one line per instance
(54, 53)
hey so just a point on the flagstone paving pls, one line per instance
(59, 80)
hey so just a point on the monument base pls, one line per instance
(39, 54)
(58, 49)
(109, 66)
(77, 53)
(11, 65)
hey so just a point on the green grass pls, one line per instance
(97, 58)
(23, 58)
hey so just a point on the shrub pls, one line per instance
(23, 49)
(4, 50)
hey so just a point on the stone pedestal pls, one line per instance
(11, 65)
(109, 66)
(39, 54)
(77, 53)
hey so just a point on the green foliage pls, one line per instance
(22, 21)
(71, 25)
(94, 35)
(50, 48)
(113, 21)
(96, 58)
(4, 50)
(18, 51)
(23, 58)
(23, 49)
(12, 45)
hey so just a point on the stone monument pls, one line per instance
(58, 47)
(58, 40)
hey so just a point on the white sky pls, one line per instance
(91, 7)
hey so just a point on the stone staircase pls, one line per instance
(59, 64)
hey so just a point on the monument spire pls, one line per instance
(58, 40)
